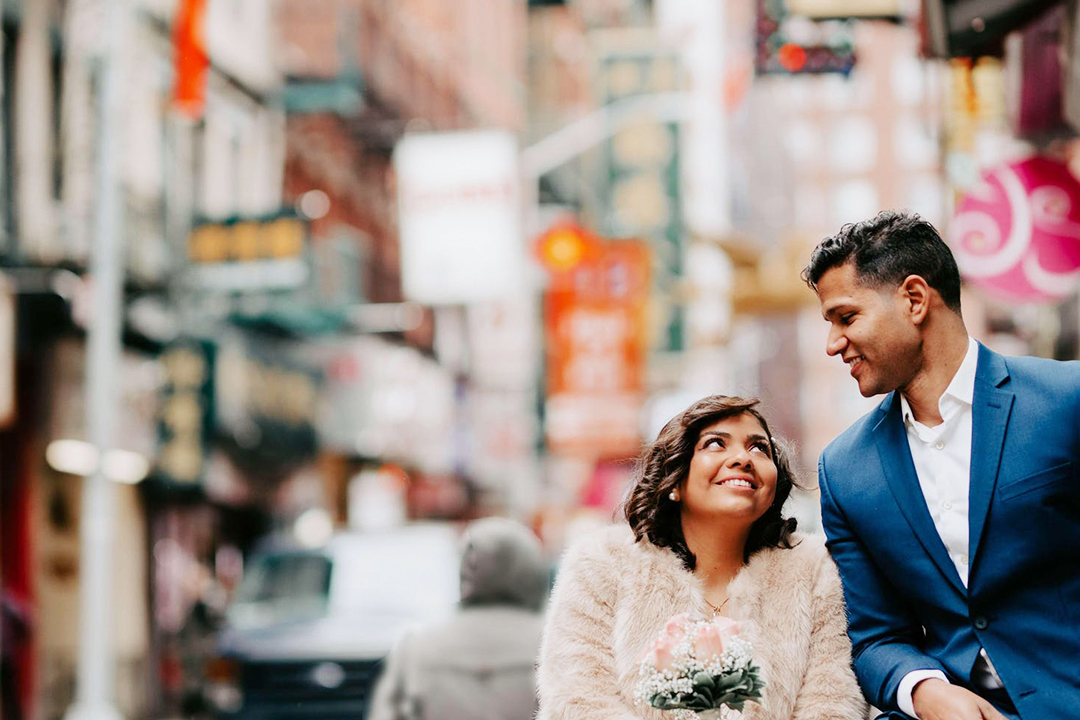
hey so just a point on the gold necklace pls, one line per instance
(717, 608)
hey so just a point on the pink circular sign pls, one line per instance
(1017, 233)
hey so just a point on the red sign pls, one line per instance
(191, 59)
(595, 329)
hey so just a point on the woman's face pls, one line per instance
(732, 473)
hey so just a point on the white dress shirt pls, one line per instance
(942, 458)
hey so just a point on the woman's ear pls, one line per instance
(916, 294)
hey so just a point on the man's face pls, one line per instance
(871, 330)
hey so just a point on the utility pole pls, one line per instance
(95, 680)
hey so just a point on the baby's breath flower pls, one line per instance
(673, 689)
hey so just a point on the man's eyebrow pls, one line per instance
(833, 309)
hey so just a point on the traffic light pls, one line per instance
(565, 246)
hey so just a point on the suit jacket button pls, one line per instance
(981, 623)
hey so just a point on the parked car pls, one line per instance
(308, 629)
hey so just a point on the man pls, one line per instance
(953, 509)
(479, 664)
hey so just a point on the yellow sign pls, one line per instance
(246, 241)
(821, 9)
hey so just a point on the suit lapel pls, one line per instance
(990, 411)
(899, 470)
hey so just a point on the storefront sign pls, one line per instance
(382, 400)
(255, 254)
(459, 212)
(595, 318)
(185, 417)
(640, 189)
(266, 400)
(1017, 233)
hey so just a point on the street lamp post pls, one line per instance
(95, 690)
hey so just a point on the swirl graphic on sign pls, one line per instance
(1017, 233)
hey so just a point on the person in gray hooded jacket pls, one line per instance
(479, 664)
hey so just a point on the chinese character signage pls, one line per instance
(186, 412)
(640, 185)
(595, 321)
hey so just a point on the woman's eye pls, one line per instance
(761, 447)
(713, 442)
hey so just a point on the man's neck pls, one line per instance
(942, 357)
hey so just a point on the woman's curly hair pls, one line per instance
(664, 464)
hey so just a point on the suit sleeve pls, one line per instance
(576, 674)
(886, 637)
(829, 690)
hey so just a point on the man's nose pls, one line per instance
(835, 343)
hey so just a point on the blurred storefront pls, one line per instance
(332, 319)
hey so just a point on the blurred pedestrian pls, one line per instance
(705, 535)
(479, 664)
(953, 508)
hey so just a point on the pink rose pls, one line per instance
(676, 626)
(708, 641)
(662, 654)
(711, 639)
(727, 626)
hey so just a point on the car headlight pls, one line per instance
(223, 684)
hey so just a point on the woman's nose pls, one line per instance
(740, 457)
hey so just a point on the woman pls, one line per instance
(705, 535)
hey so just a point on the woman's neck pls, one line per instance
(718, 549)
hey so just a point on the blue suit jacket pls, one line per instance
(907, 608)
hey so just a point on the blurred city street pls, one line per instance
(292, 290)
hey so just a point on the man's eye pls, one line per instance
(846, 319)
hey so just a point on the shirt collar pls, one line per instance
(961, 389)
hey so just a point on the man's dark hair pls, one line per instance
(886, 249)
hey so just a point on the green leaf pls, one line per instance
(700, 702)
(726, 682)
(703, 679)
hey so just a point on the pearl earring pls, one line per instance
(673, 496)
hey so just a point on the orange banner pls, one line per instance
(595, 326)
(191, 59)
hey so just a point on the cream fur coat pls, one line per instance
(613, 596)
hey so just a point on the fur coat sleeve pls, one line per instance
(613, 596)
(829, 689)
(576, 676)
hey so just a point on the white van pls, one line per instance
(308, 629)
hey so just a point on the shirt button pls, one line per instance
(939, 445)
(963, 559)
(981, 623)
(947, 505)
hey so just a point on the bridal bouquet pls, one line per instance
(699, 669)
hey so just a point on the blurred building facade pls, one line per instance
(273, 365)
(226, 163)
